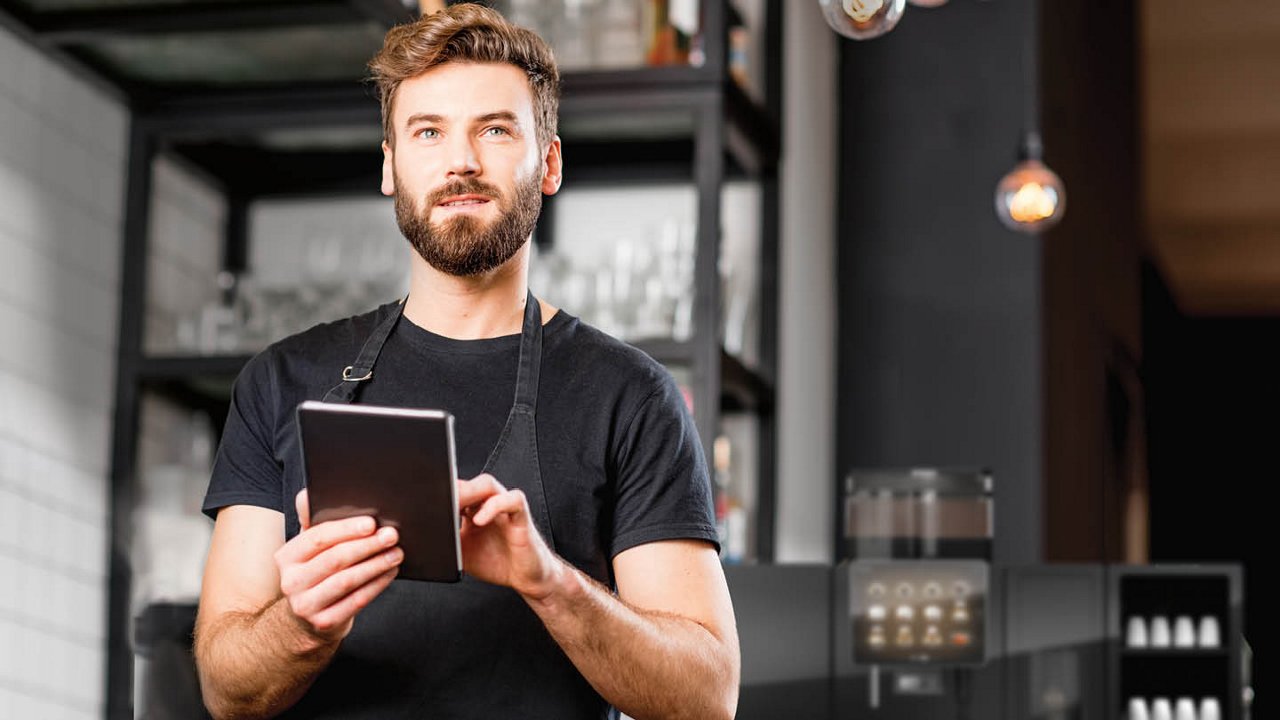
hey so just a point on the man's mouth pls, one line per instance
(463, 201)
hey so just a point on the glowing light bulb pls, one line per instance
(862, 10)
(1030, 198)
(1033, 202)
(862, 19)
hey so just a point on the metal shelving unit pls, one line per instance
(211, 128)
(200, 380)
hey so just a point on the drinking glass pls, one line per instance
(1184, 632)
(1209, 636)
(1160, 632)
(1136, 636)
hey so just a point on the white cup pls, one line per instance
(1160, 632)
(1184, 633)
(1210, 637)
(1210, 709)
(1138, 709)
(1161, 709)
(1185, 709)
(1136, 634)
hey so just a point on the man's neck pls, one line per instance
(470, 308)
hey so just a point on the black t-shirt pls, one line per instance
(621, 465)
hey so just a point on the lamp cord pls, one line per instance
(1030, 69)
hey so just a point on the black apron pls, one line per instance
(464, 650)
(514, 461)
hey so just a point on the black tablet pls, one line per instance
(395, 464)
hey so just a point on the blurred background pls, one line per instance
(793, 205)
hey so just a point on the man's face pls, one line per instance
(466, 172)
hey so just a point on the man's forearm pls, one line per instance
(647, 664)
(256, 665)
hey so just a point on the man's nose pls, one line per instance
(463, 160)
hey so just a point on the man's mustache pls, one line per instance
(471, 187)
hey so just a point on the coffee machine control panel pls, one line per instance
(919, 612)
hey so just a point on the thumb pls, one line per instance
(303, 506)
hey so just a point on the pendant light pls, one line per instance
(1030, 198)
(862, 19)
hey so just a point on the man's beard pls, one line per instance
(464, 246)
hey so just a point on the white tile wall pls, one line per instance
(62, 150)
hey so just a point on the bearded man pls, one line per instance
(593, 583)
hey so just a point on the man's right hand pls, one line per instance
(329, 572)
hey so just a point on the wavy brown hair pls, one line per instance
(467, 33)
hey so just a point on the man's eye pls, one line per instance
(428, 133)
(497, 131)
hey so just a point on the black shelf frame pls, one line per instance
(61, 27)
(78, 25)
(731, 136)
(1163, 653)
(204, 381)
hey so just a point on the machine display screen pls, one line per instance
(915, 612)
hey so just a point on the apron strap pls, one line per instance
(530, 355)
(362, 369)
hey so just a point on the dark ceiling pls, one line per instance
(155, 47)
(192, 69)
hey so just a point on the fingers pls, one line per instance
(298, 577)
(510, 504)
(317, 539)
(344, 610)
(341, 595)
(477, 490)
(330, 571)
(338, 614)
(483, 498)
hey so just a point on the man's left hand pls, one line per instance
(500, 543)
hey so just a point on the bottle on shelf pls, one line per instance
(672, 32)
(739, 56)
(731, 516)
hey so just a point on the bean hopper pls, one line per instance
(918, 543)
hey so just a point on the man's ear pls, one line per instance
(388, 170)
(553, 168)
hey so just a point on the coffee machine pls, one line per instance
(916, 555)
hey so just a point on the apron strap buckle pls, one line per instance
(348, 372)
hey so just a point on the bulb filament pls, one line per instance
(862, 10)
(1032, 203)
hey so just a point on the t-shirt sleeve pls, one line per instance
(245, 470)
(663, 489)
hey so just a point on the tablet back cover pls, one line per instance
(395, 464)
